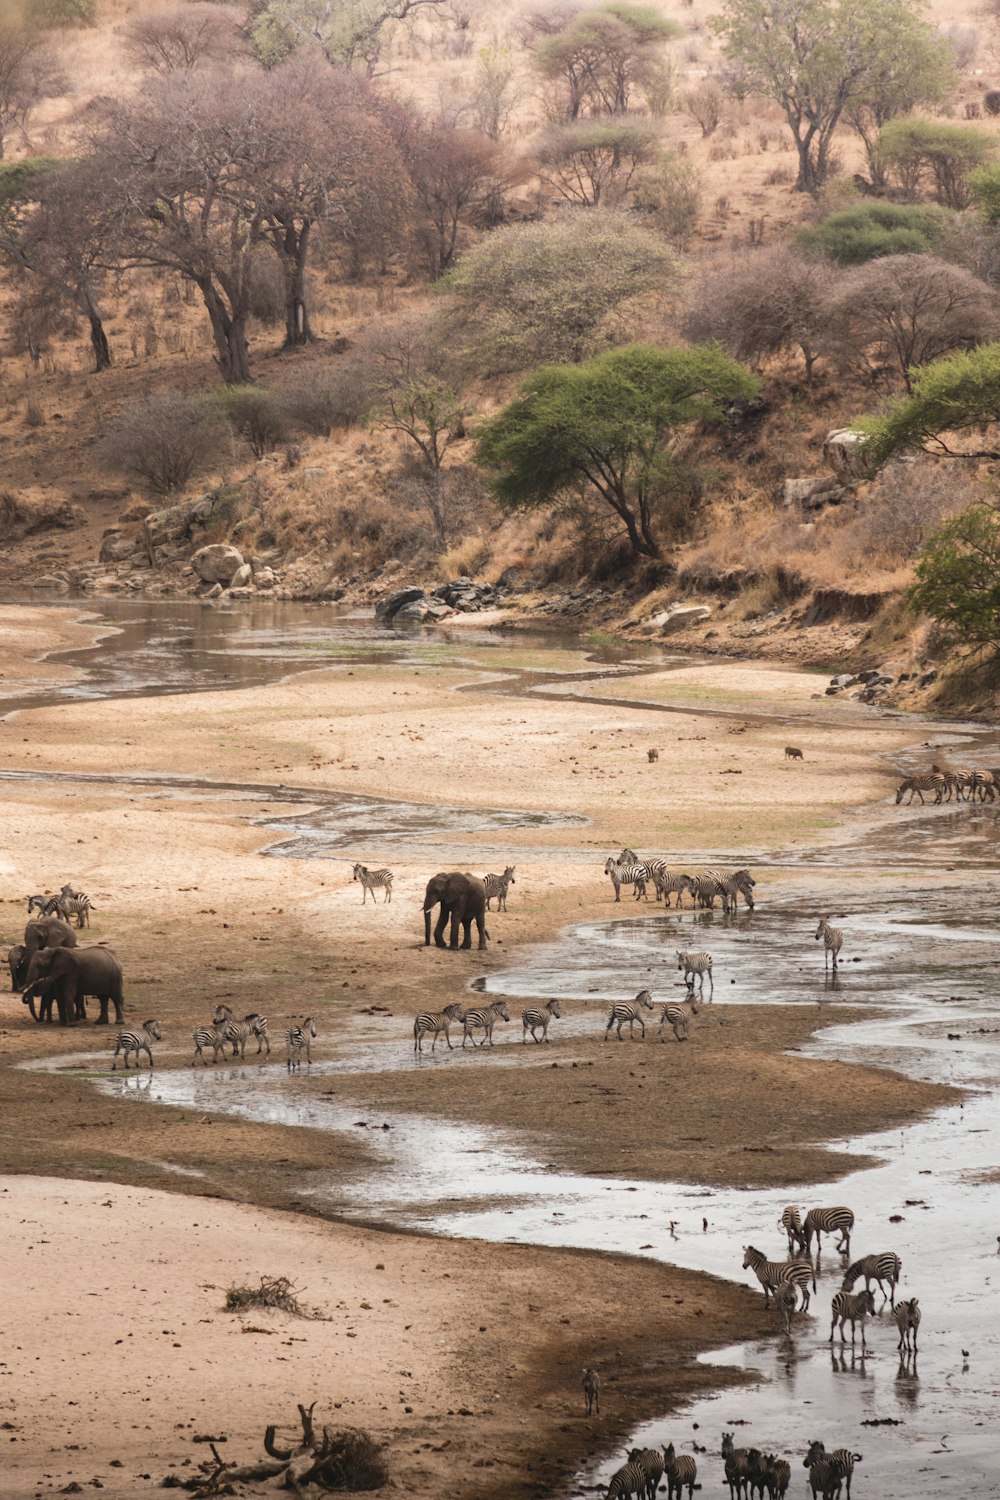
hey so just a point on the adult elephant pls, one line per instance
(67, 976)
(44, 932)
(463, 901)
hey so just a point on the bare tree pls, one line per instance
(762, 304)
(28, 74)
(458, 179)
(178, 38)
(495, 94)
(705, 104)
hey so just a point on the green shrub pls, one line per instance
(255, 414)
(870, 231)
(958, 577)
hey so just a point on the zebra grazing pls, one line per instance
(680, 1472)
(496, 885)
(907, 1316)
(840, 1462)
(484, 1018)
(792, 1225)
(852, 1307)
(208, 1036)
(929, 781)
(833, 940)
(536, 1017)
(373, 880)
(630, 1479)
(736, 1462)
(781, 1476)
(297, 1040)
(650, 1461)
(698, 964)
(820, 1221)
(884, 1266)
(631, 874)
(630, 1011)
(592, 1390)
(775, 1274)
(730, 884)
(437, 1022)
(679, 1017)
(137, 1042)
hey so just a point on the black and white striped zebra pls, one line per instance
(984, 786)
(629, 1480)
(627, 857)
(436, 1022)
(650, 1461)
(679, 1017)
(907, 1317)
(737, 1463)
(773, 1274)
(833, 941)
(298, 1039)
(236, 1033)
(48, 906)
(636, 875)
(841, 1462)
(79, 906)
(825, 1480)
(883, 1266)
(497, 885)
(258, 1028)
(630, 1011)
(697, 964)
(137, 1042)
(918, 784)
(483, 1018)
(706, 888)
(733, 883)
(208, 1036)
(537, 1018)
(820, 1221)
(667, 881)
(681, 1471)
(373, 880)
(786, 1304)
(792, 1225)
(853, 1308)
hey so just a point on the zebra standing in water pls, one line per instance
(636, 875)
(137, 1042)
(854, 1308)
(884, 1266)
(773, 1274)
(907, 1316)
(435, 1021)
(730, 884)
(820, 1221)
(841, 1462)
(630, 1479)
(538, 1017)
(496, 885)
(297, 1040)
(630, 1011)
(650, 1461)
(698, 964)
(373, 880)
(237, 1033)
(792, 1225)
(484, 1019)
(737, 1467)
(833, 940)
(679, 1017)
(680, 1472)
(930, 781)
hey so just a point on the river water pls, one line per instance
(921, 953)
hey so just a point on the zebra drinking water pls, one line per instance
(373, 880)
(773, 1274)
(907, 1316)
(820, 1221)
(630, 1479)
(732, 883)
(883, 1266)
(698, 964)
(680, 1472)
(436, 1022)
(632, 874)
(212, 1037)
(833, 940)
(929, 781)
(630, 1011)
(792, 1225)
(679, 1017)
(852, 1307)
(669, 881)
(297, 1040)
(483, 1018)
(137, 1042)
(496, 885)
(841, 1463)
(538, 1017)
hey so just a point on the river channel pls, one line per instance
(927, 971)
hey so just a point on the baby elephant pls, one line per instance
(791, 753)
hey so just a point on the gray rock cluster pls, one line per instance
(874, 684)
(414, 606)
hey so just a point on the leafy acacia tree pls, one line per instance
(918, 151)
(610, 430)
(352, 33)
(820, 59)
(954, 395)
(596, 161)
(602, 56)
(958, 576)
(914, 71)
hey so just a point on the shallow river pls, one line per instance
(928, 963)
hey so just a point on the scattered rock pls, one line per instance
(677, 617)
(389, 605)
(927, 678)
(116, 546)
(843, 452)
(814, 493)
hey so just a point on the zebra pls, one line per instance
(680, 1472)
(233, 1031)
(929, 781)
(208, 1036)
(700, 964)
(825, 1480)
(258, 1028)
(841, 1462)
(496, 885)
(650, 1460)
(79, 906)
(632, 874)
(539, 1016)
(786, 1302)
(781, 1476)
(667, 881)
(884, 1266)
(627, 857)
(792, 1225)
(297, 1038)
(706, 888)
(630, 1011)
(484, 1017)
(630, 1479)
(736, 1467)
(852, 1307)
(820, 1221)
(137, 1042)
(730, 884)
(435, 1021)
(773, 1274)
(907, 1316)
(373, 880)
(679, 1017)
(592, 1390)
(833, 940)
(757, 1473)
(984, 785)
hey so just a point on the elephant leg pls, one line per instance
(439, 927)
(483, 934)
(466, 932)
(427, 926)
(456, 922)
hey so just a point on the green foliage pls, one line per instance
(953, 394)
(60, 13)
(936, 154)
(603, 55)
(350, 32)
(869, 231)
(609, 429)
(669, 193)
(958, 576)
(984, 187)
(596, 161)
(255, 414)
(20, 180)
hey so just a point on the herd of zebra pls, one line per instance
(749, 1472)
(535, 1019)
(497, 886)
(704, 889)
(225, 1028)
(966, 784)
(68, 904)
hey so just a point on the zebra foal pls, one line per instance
(820, 1221)
(833, 940)
(630, 1011)
(497, 885)
(436, 1022)
(907, 1317)
(483, 1018)
(137, 1042)
(537, 1017)
(883, 1266)
(298, 1040)
(697, 964)
(680, 1472)
(776, 1274)
(851, 1307)
(373, 880)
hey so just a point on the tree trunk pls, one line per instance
(295, 251)
(229, 330)
(99, 344)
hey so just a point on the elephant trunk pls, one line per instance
(28, 999)
(427, 926)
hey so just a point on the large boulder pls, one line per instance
(389, 605)
(812, 494)
(422, 612)
(843, 452)
(116, 546)
(677, 617)
(217, 563)
(177, 522)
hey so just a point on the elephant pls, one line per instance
(18, 965)
(41, 932)
(463, 899)
(68, 976)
